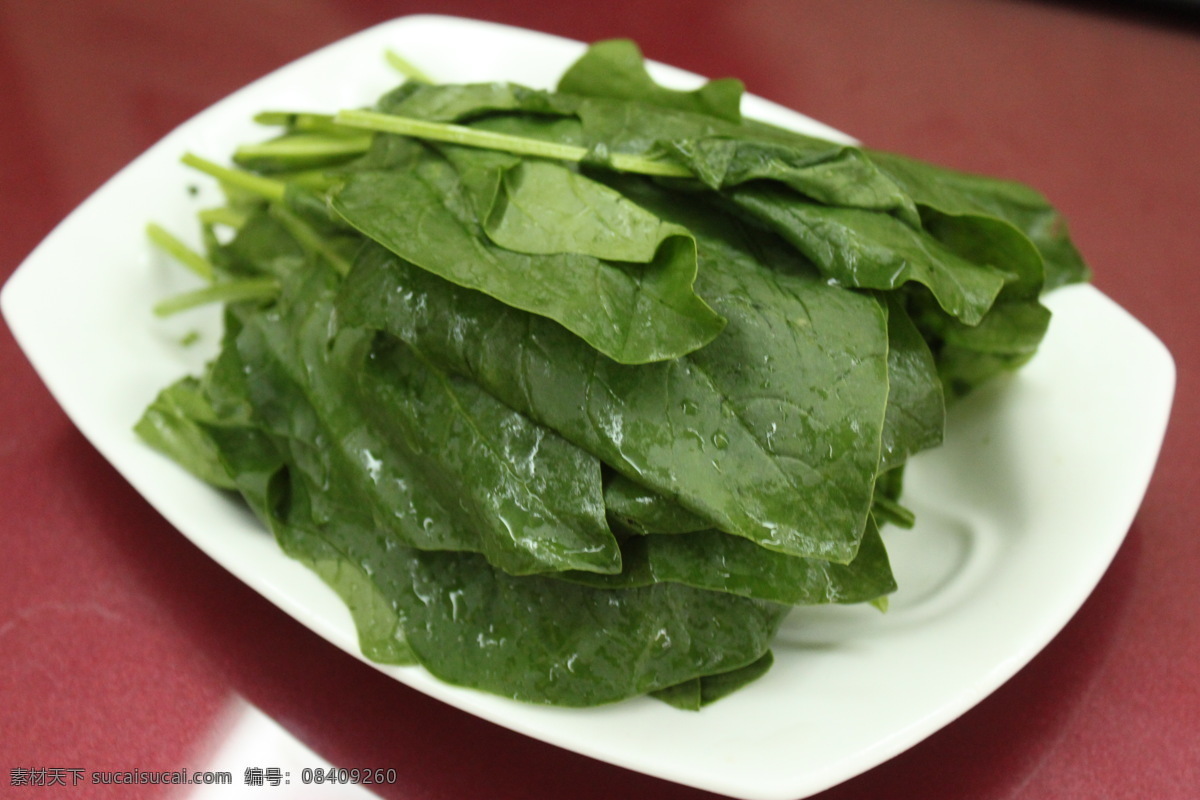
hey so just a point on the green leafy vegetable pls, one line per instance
(615, 69)
(571, 395)
(634, 312)
(790, 468)
(407, 436)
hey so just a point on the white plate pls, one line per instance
(1019, 513)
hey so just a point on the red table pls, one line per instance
(123, 647)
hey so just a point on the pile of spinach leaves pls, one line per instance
(571, 395)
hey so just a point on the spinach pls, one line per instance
(407, 437)
(616, 69)
(863, 249)
(771, 432)
(175, 425)
(916, 409)
(699, 692)
(713, 560)
(637, 509)
(834, 175)
(571, 395)
(472, 623)
(989, 201)
(623, 283)
(549, 641)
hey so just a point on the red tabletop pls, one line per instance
(123, 647)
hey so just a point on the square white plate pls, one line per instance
(1019, 514)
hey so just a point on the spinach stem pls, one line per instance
(489, 140)
(264, 187)
(222, 215)
(297, 120)
(305, 146)
(231, 292)
(888, 510)
(317, 180)
(308, 238)
(185, 255)
(405, 67)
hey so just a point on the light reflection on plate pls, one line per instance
(1019, 514)
(253, 754)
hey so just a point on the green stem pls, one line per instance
(256, 184)
(305, 145)
(315, 180)
(297, 120)
(888, 510)
(490, 140)
(309, 239)
(231, 292)
(222, 215)
(405, 67)
(185, 255)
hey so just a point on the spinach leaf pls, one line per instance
(377, 621)
(771, 432)
(222, 443)
(402, 434)
(916, 411)
(539, 208)
(965, 195)
(719, 562)
(633, 313)
(174, 425)
(868, 250)
(531, 638)
(468, 103)
(914, 421)
(615, 69)
(828, 173)
(544, 640)
(699, 692)
(283, 506)
(968, 356)
(635, 508)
